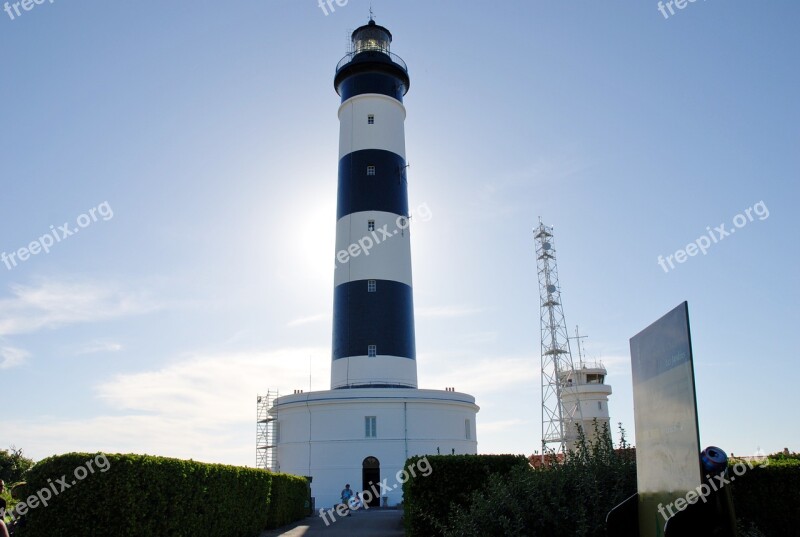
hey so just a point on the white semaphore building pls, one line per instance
(585, 387)
(374, 417)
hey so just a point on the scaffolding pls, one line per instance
(560, 415)
(266, 432)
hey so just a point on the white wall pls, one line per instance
(388, 132)
(381, 369)
(322, 434)
(378, 257)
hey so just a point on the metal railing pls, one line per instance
(349, 58)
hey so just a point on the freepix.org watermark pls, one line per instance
(663, 7)
(56, 235)
(704, 242)
(378, 235)
(704, 491)
(12, 8)
(54, 488)
(326, 5)
(423, 466)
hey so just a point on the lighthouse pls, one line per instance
(374, 417)
(373, 307)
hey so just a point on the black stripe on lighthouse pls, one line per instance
(386, 191)
(372, 82)
(384, 318)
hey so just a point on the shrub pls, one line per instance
(13, 465)
(427, 501)
(569, 499)
(5, 496)
(785, 457)
(140, 495)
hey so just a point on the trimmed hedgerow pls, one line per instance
(765, 498)
(289, 501)
(140, 495)
(428, 500)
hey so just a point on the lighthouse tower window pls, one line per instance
(371, 119)
(371, 286)
(370, 426)
(372, 351)
(371, 225)
(370, 170)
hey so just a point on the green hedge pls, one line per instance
(768, 498)
(427, 501)
(290, 500)
(140, 495)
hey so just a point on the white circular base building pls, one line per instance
(363, 436)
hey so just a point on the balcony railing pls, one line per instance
(349, 58)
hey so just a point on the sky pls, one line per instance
(194, 146)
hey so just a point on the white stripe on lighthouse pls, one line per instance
(379, 370)
(387, 132)
(381, 254)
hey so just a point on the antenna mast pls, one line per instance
(560, 415)
(581, 351)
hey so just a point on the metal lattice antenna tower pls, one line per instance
(559, 418)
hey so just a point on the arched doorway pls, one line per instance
(370, 477)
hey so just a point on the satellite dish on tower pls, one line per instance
(551, 288)
(546, 246)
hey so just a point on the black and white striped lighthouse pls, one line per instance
(373, 307)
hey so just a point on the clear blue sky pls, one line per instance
(210, 130)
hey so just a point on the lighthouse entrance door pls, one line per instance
(370, 477)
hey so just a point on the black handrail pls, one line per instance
(349, 58)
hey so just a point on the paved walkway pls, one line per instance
(372, 523)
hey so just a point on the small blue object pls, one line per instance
(714, 460)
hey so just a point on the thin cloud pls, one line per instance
(209, 389)
(615, 365)
(308, 320)
(12, 357)
(99, 346)
(479, 338)
(502, 426)
(201, 407)
(159, 435)
(445, 312)
(478, 375)
(52, 304)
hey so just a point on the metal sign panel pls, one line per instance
(665, 413)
